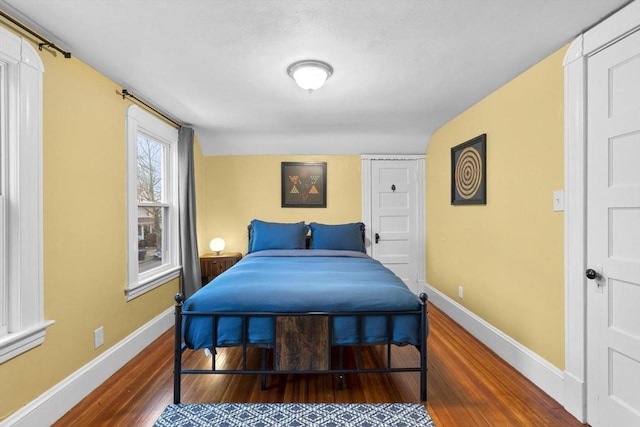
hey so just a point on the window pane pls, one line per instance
(150, 170)
(150, 237)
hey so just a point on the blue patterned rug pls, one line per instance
(296, 415)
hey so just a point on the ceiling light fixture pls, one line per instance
(310, 74)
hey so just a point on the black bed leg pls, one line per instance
(177, 351)
(423, 386)
(340, 366)
(423, 348)
(263, 366)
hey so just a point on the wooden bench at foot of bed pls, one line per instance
(302, 343)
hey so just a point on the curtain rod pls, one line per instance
(45, 42)
(126, 93)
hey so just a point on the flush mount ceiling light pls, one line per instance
(310, 74)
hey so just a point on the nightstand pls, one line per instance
(211, 265)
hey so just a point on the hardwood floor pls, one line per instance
(468, 385)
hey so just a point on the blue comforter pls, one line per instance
(297, 281)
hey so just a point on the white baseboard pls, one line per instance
(575, 397)
(58, 400)
(539, 371)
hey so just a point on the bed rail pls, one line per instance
(279, 367)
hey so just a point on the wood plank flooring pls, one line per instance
(468, 385)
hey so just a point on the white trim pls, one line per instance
(22, 139)
(152, 283)
(17, 343)
(612, 29)
(4, 241)
(57, 401)
(421, 226)
(618, 25)
(419, 159)
(393, 157)
(574, 236)
(538, 370)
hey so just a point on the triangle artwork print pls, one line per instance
(304, 184)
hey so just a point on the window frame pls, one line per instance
(140, 122)
(21, 251)
(4, 291)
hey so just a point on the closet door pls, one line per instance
(394, 199)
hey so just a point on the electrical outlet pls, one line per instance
(461, 292)
(98, 337)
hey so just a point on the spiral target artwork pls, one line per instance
(468, 172)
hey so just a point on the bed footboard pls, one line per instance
(302, 345)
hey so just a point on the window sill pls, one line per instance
(14, 344)
(150, 283)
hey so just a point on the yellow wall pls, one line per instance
(241, 188)
(85, 261)
(508, 255)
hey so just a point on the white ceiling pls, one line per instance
(401, 68)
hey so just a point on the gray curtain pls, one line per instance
(191, 280)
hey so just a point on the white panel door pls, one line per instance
(393, 228)
(613, 235)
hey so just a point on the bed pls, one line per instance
(301, 301)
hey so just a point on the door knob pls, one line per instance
(592, 274)
(377, 237)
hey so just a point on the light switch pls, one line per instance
(558, 201)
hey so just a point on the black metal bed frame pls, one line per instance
(180, 346)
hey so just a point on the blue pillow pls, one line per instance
(347, 237)
(276, 235)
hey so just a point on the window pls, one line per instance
(22, 324)
(152, 177)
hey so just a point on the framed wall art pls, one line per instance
(304, 184)
(469, 172)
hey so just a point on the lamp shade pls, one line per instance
(310, 74)
(216, 244)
